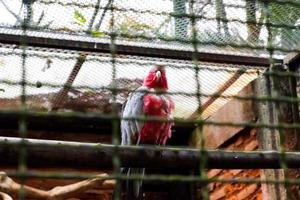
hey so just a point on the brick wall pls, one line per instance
(245, 140)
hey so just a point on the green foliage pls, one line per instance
(280, 16)
(130, 25)
(97, 33)
(80, 18)
(287, 15)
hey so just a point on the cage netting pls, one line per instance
(65, 60)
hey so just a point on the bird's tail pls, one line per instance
(134, 187)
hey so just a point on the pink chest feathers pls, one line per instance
(158, 105)
(155, 132)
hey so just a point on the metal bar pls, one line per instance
(103, 47)
(45, 153)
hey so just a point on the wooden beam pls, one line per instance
(222, 89)
(73, 122)
(51, 121)
(268, 139)
(233, 111)
(292, 59)
(45, 153)
(289, 113)
(60, 98)
(134, 50)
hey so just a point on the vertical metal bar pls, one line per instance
(22, 164)
(115, 123)
(203, 162)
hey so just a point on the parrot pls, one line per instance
(136, 132)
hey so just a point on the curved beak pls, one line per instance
(158, 75)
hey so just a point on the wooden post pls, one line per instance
(284, 112)
(268, 139)
(291, 114)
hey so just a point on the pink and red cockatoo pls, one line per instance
(142, 103)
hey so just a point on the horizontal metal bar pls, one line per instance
(103, 47)
(45, 153)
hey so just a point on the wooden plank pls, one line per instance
(291, 59)
(62, 95)
(134, 50)
(280, 139)
(233, 111)
(222, 89)
(287, 86)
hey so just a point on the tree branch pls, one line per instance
(94, 16)
(9, 186)
(97, 27)
(11, 12)
(5, 196)
(200, 10)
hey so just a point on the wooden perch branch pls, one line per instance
(45, 153)
(9, 187)
(5, 196)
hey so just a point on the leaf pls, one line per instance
(79, 17)
(2, 90)
(97, 33)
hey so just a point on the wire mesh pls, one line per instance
(68, 68)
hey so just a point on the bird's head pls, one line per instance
(156, 78)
